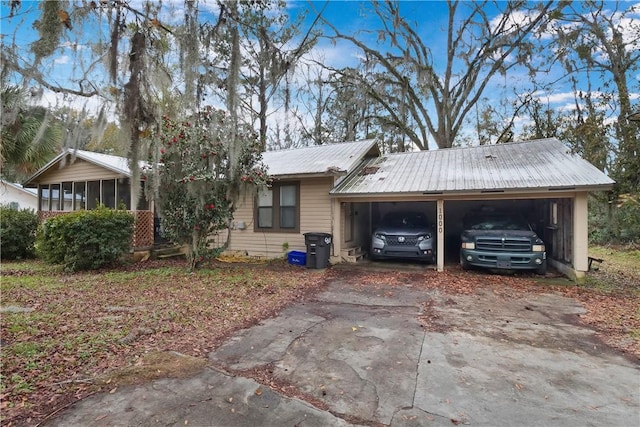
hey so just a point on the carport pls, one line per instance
(540, 179)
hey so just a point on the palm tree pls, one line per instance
(29, 137)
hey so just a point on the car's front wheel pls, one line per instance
(542, 270)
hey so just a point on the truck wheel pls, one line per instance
(464, 264)
(542, 270)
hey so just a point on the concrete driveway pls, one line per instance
(398, 356)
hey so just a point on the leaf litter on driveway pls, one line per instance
(74, 343)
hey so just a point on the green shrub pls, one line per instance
(615, 222)
(17, 233)
(85, 240)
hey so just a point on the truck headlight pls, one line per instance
(468, 245)
(380, 236)
(538, 248)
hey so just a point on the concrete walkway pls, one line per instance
(361, 356)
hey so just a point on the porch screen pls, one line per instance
(124, 192)
(79, 196)
(109, 193)
(67, 196)
(44, 197)
(93, 194)
(55, 197)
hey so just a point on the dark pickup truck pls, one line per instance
(501, 242)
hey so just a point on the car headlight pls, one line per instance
(380, 236)
(538, 248)
(468, 245)
(424, 237)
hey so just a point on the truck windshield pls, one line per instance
(498, 223)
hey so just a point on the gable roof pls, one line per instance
(28, 191)
(331, 159)
(538, 165)
(113, 163)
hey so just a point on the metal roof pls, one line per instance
(108, 161)
(332, 159)
(116, 164)
(544, 164)
(19, 187)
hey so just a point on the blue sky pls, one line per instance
(353, 17)
(349, 16)
(430, 18)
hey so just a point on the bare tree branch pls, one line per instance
(484, 45)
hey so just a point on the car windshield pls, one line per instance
(405, 220)
(497, 223)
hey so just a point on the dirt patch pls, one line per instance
(430, 318)
(160, 364)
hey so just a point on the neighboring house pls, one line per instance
(344, 189)
(78, 179)
(18, 197)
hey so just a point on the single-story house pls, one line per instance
(18, 197)
(344, 189)
(274, 221)
(78, 179)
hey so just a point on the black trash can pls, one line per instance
(318, 249)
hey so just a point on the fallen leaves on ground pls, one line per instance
(613, 311)
(92, 332)
(264, 375)
(616, 318)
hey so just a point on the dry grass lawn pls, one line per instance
(66, 336)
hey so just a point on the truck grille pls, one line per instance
(408, 240)
(506, 244)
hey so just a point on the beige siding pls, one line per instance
(315, 216)
(80, 170)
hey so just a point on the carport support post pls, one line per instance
(440, 232)
(337, 209)
(580, 235)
